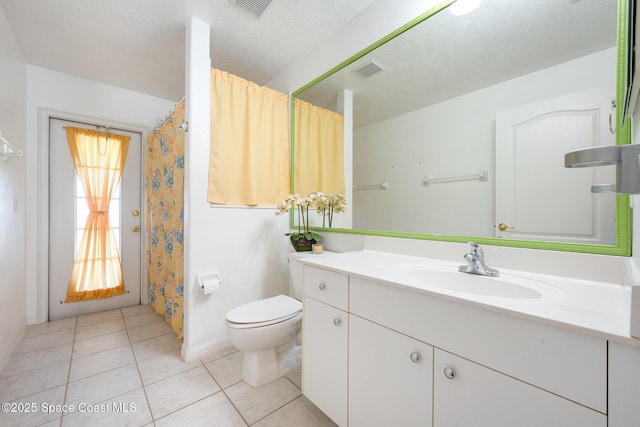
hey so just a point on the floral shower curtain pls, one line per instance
(164, 190)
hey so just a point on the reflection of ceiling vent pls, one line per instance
(254, 8)
(370, 68)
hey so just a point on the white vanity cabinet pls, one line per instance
(390, 377)
(325, 342)
(411, 358)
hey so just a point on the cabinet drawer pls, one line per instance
(327, 286)
(569, 364)
(472, 395)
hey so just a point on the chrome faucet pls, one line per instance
(475, 263)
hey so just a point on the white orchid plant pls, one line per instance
(325, 204)
(328, 204)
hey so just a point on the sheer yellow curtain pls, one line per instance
(98, 159)
(249, 162)
(318, 150)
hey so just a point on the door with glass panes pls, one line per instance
(67, 215)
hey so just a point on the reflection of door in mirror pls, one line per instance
(530, 144)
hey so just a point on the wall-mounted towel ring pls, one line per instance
(612, 129)
(7, 150)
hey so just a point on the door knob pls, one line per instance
(504, 227)
(415, 357)
(337, 321)
(135, 212)
(135, 229)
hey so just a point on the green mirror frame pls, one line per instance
(623, 136)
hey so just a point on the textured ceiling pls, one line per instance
(447, 55)
(139, 44)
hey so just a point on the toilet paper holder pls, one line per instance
(208, 282)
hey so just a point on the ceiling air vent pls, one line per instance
(254, 8)
(369, 68)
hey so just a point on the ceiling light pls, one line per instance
(462, 7)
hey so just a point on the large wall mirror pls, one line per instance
(461, 122)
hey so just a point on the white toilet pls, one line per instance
(268, 331)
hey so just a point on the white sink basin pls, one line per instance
(504, 286)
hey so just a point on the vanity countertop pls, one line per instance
(593, 308)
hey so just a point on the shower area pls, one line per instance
(164, 217)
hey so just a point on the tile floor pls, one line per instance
(123, 368)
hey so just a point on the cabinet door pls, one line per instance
(472, 395)
(390, 377)
(624, 385)
(324, 366)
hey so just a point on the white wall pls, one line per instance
(13, 92)
(50, 92)
(246, 246)
(453, 138)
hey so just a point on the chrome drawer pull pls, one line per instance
(448, 372)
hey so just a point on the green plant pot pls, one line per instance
(300, 243)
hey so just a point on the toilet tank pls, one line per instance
(295, 273)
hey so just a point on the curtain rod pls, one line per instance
(164, 119)
(86, 123)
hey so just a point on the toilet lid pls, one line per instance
(265, 310)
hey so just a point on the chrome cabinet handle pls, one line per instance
(322, 286)
(415, 357)
(448, 372)
(337, 321)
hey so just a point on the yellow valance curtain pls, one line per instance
(318, 150)
(249, 160)
(98, 159)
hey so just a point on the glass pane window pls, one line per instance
(82, 211)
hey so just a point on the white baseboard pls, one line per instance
(7, 350)
(32, 319)
(207, 350)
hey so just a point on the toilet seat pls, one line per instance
(264, 312)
